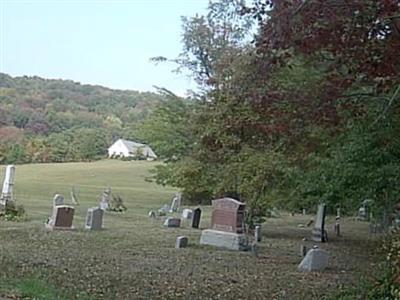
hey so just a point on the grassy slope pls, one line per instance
(134, 257)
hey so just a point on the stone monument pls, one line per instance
(227, 225)
(94, 218)
(176, 203)
(61, 218)
(58, 200)
(196, 217)
(319, 233)
(8, 185)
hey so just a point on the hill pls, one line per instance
(47, 120)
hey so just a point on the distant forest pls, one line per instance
(46, 120)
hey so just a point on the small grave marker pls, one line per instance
(319, 233)
(172, 222)
(94, 218)
(196, 217)
(181, 242)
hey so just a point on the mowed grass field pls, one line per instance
(134, 257)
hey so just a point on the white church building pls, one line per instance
(124, 148)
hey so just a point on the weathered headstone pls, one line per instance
(176, 203)
(227, 225)
(363, 211)
(152, 214)
(319, 233)
(61, 218)
(257, 233)
(163, 210)
(336, 227)
(58, 200)
(94, 218)
(172, 222)
(315, 260)
(181, 242)
(8, 185)
(105, 199)
(74, 198)
(187, 214)
(196, 217)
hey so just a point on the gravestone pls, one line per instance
(74, 198)
(163, 210)
(315, 260)
(227, 225)
(94, 218)
(196, 217)
(176, 203)
(181, 242)
(172, 222)
(257, 233)
(363, 211)
(61, 218)
(319, 233)
(58, 200)
(105, 199)
(8, 185)
(152, 214)
(187, 214)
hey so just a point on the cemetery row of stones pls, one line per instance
(227, 222)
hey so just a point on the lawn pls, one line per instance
(134, 257)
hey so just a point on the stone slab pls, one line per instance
(223, 239)
(172, 222)
(315, 260)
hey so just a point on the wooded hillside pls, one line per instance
(46, 120)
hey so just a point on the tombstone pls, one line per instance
(176, 203)
(196, 217)
(187, 214)
(228, 215)
(8, 185)
(336, 226)
(257, 233)
(181, 242)
(94, 218)
(74, 198)
(227, 225)
(363, 211)
(58, 200)
(61, 218)
(172, 222)
(152, 214)
(304, 211)
(315, 260)
(164, 209)
(105, 199)
(319, 233)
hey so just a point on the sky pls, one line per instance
(100, 42)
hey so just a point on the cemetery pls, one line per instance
(152, 245)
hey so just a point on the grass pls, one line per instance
(134, 257)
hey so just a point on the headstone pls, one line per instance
(227, 225)
(94, 218)
(172, 222)
(228, 215)
(8, 185)
(196, 217)
(152, 214)
(319, 233)
(176, 203)
(74, 198)
(336, 227)
(315, 260)
(181, 242)
(254, 249)
(61, 218)
(257, 233)
(363, 211)
(187, 214)
(105, 199)
(58, 200)
(163, 210)
(304, 211)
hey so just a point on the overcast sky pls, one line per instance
(95, 41)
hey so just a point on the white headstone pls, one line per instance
(94, 218)
(187, 214)
(152, 214)
(8, 184)
(176, 203)
(315, 260)
(58, 200)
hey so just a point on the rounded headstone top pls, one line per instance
(315, 247)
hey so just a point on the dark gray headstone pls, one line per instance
(181, 242)
(196, 217)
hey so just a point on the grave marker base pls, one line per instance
(229, 240)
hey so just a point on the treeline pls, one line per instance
(45, 120)
(305, 110)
